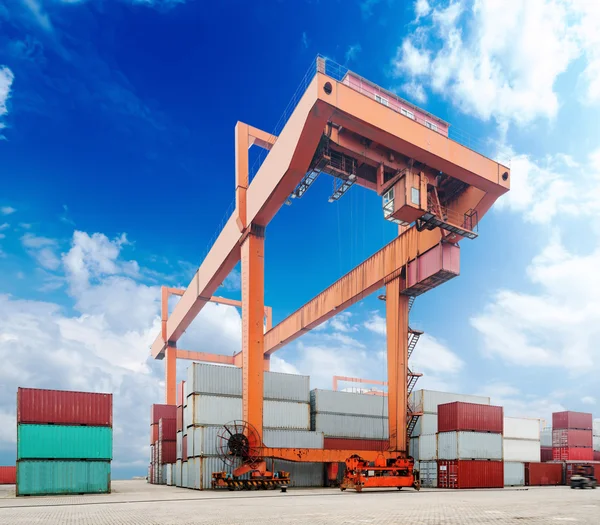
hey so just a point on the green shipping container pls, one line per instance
(63, 442)
(38, 478)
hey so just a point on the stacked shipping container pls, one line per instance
(64, 442)
(423, 443)
(163, 441)
(546, 444)
(8, 475)
(596, 439)
(521, 445)
(572, 436)
(212, 398)
(470, 446)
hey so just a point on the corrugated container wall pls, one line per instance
(469, 445)
(162, 411)
(426, 424)
(540, 474)
(338, 425)
(428, 473)
(37, 478)
(335, 443)
(8, 475)
(546, 437)
(574, 420)
(470, 474)
(180, 393)
(521, 428)
(63, 442)
(596, 427)
(336, 402)
(63, 408)
(184, 474)
(596, 443)
(514, 474)
(177, 473)
(546, 454)
(167, 429)
(424, 447)
(523, 450)
(203, 378)
(572, 438)
(170, 475)
(302, 474)
(572, 454)
(427, 401)
(470, 416)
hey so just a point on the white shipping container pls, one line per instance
(218, 410)
(469, 445)
(596, 427)
(293, 438)
(204, 378)
(522, 450)
(177, 473)
(426, 424)
(339, 425)
(596, 443)
(424, 447)
(521, 428)
(184, 474)
(170, 477)
(336, 402)
(428, 400)
(428, 473)
(514, 474)
(163, 474)
(179, 445)
(546, 437)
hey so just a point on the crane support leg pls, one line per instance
(396, 309)
(171, 375)
(253, 309)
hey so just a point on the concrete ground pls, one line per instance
(138, 503)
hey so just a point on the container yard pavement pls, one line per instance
(136, 502)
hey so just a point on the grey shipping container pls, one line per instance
(339, 425)
(424, 447)
(428, 473)
(428, 400)
(596, 443)
(514, 474)
(170, 478)
(426, 424)
(203, 439)
(204, 378)
(177, 473)
(302, 474)
(218, 410)
(336, 402)
(469, 445)
(184, 474)
(521, 450)
(179, 445)
(546, 437)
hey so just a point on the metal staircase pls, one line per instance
(412, 377)
(411, 301)
(413, 339)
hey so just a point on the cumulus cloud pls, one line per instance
(588, 400)
(101, 345)
(42, 249)
(501, 59)
(6, 80)
(557, 326)
(7, 210)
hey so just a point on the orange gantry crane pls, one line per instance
(434, 188)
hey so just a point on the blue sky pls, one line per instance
(117, 166)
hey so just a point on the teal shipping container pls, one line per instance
(63, 442)
(38, 478)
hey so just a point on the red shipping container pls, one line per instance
(470, 416)
(180, 393)
(563, 437)
(184, 446)
(8, 475)
(332, 443)
(596, 455)
(179, 418)
(166, 411)
(167, 452)
(541, 474)
(459, 474)
(167, 429)
(572, 454)
(580, 420)
(546, 454)
(60, 407)
(151, 474)
(154, 433)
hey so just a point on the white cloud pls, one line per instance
(7, 210)
(102, 347)
(352, 51)
(305, 40)
(2, 236)
(43, 249)
(556, 186)
(376, 323)
(588, 400)
(422, 8)
(341, 323)
(557, 326)
(6, 80)
(233, 282)
(281, 365)
(415, 91)
(502, 59)
(4, 226)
